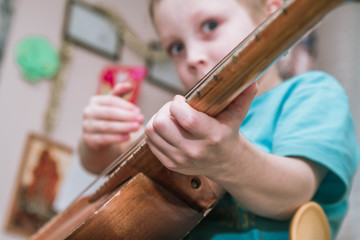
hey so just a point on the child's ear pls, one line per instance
(273, 5)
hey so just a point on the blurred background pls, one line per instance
(55, 55)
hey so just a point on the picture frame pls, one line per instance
(91, 29)
(163, 74)
(41, 173)
(6, 12)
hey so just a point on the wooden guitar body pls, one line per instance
(141, 199)
(126, 221)
(140, 188)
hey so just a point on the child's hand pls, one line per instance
(109, 119)
(190, 142)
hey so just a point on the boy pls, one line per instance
(296, 142)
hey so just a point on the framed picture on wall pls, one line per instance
(6, 12)
(92, 29)
(161, 70)
(41, 173)
(164, 75)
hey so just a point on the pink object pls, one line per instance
(111, 75)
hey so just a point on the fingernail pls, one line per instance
(124, 137)
(135, 126)
(140, 118)
(136, 109)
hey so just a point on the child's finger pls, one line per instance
(112, 113)
(101, 126)
(234, 114)
(195, 122)
(121, 88)
(98, 140)
(110, 100)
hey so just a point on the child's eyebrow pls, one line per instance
(201, 15)
(198, 15)
(167, 40)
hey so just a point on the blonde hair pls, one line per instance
(256, 8)
(151, 8)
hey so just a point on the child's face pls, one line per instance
(198, 34)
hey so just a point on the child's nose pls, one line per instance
(196, 55)
(196, 58)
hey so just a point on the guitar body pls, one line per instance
(169, 218)
(141, 199)
(117, 211)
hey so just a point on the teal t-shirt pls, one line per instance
(306, 116)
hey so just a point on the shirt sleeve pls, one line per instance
(316, 123)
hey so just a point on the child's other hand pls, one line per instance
(109, 119)
(191, 142)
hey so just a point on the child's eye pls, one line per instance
(210, 26)
(175, 49)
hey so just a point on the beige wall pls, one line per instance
(339, 54)
(22, 104)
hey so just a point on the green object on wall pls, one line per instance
(37, 58)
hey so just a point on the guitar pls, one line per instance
(140, 198)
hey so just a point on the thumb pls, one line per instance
(121, 88)
(235, 112)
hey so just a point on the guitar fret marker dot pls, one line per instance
(284, 10)
(234, 59)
